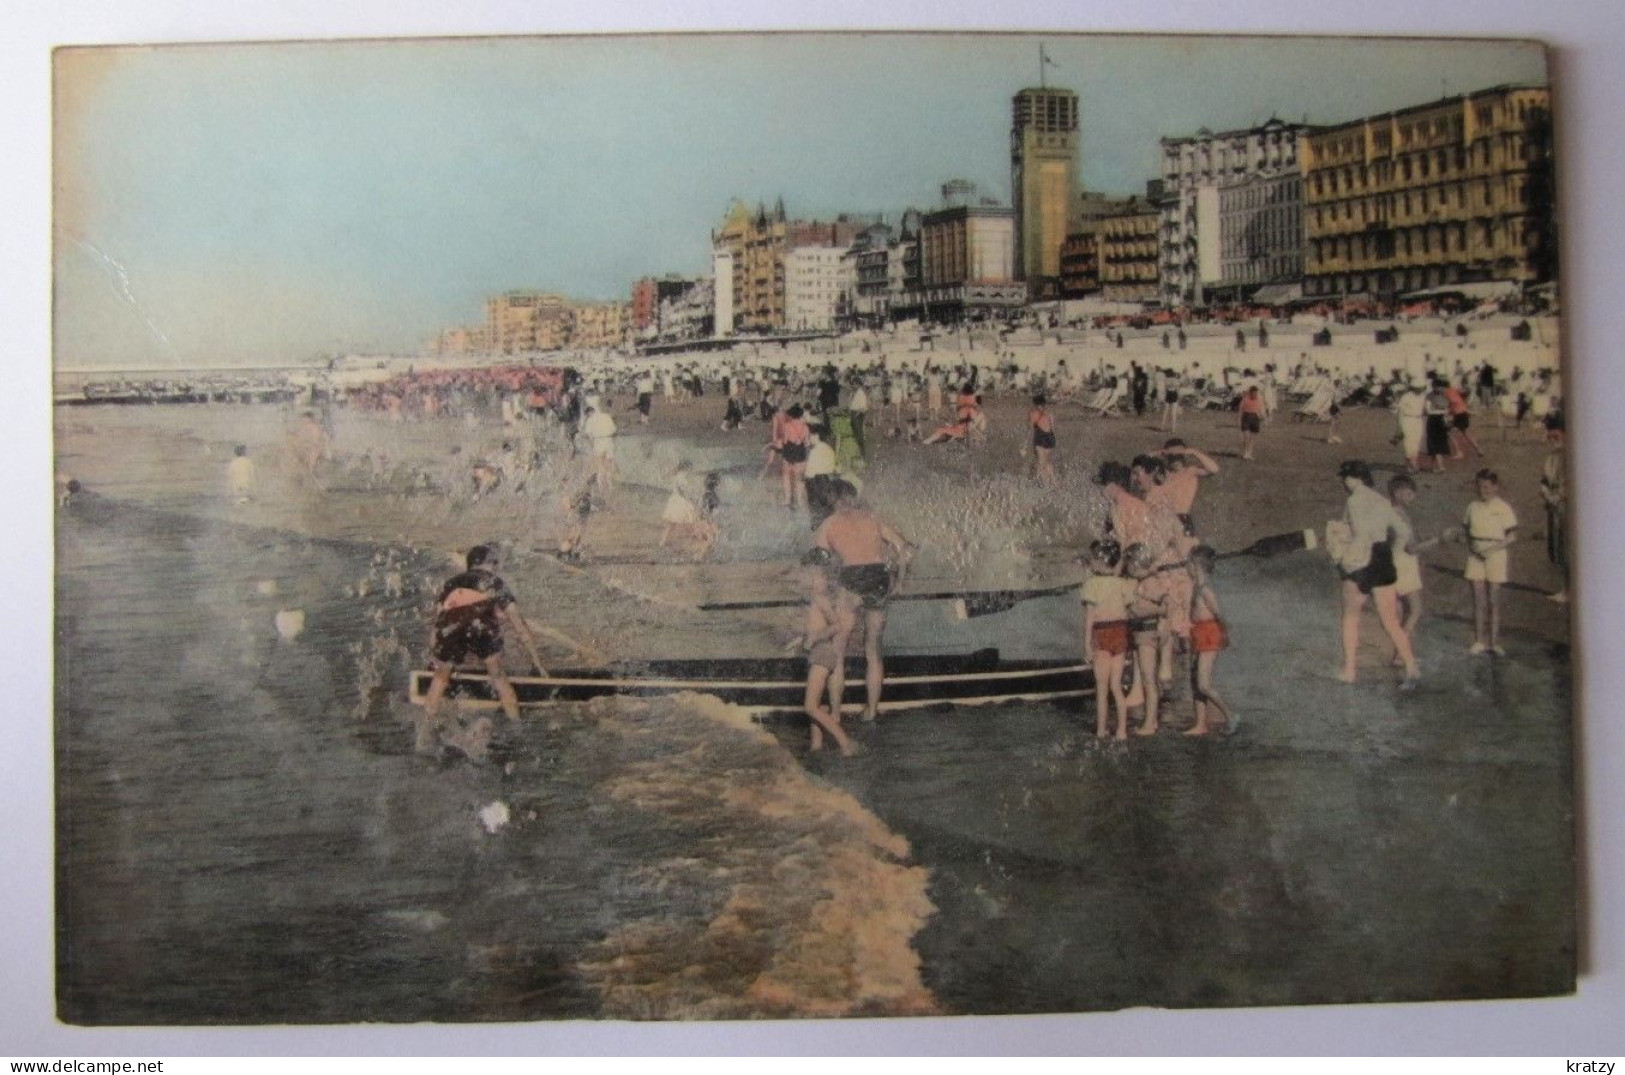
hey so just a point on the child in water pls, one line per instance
(824, 659)
(579, 510)
(1208, 640)
(1148, 615)
(1106, 633)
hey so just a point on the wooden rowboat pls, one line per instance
(776, 685)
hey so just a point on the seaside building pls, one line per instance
(687, 314)
(757, 243)
(552, 327)
(1080, 253)
(462, 340)
(1043, 180)
(1455, 191)
(722, 293)
(1195, 172)
(903, 287)
(1261, 238)
(1080, 263)
(645, 305)
(967, 255)
(521, 321)
(1130, 262)
(598, 326)
(816, 281)
(868, 267)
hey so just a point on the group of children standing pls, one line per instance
(1149, 593)
(1134, 606)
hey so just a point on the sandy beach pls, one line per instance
(669, 859)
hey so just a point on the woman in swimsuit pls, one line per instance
(793, 448)
(1043, 440)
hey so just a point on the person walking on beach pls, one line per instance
(1411, 411)
(1252, 419)
(1490, 527)
(240, 479)
(794, 438)
(1436, 409)
(600, 429)
(1170, 399)
(1460, 421)
(646, 396)
(1366, 564)
(470, 614)
(874, 559)
(1554, 492)
(823, 658)
(309, 445)
(858, 408)
(1043, 431)
(821, 470)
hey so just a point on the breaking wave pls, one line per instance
(806, 904)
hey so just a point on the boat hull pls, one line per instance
(779, 685)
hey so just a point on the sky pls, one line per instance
(269, 204)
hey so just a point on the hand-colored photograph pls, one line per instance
(783, 526)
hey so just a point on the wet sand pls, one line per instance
(1346, 843)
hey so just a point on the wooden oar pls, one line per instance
(977, 602)
(1277, 545)
(586, 653)
(970, 604)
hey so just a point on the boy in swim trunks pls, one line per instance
(1106, 634)
(823, 658)
(1491, 526)
(1208, 639)
(1147, 618)
(868, 547)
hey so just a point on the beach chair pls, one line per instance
(1318, 407)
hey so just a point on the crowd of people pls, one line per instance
(1149, 603)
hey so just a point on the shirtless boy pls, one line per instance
(474, 607)
(866, 547)
(823, 658)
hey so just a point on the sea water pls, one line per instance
(244, 834)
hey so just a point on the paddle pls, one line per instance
(535, 659)
(1277, 544)
(971, 604)
(976, 602)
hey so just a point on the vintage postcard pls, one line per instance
(712, 527)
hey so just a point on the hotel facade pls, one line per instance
(1197, 171)
(1456, 191)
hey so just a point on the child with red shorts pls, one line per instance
(1208, 640)
(1106, 633)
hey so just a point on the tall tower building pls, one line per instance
(1043, 177)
